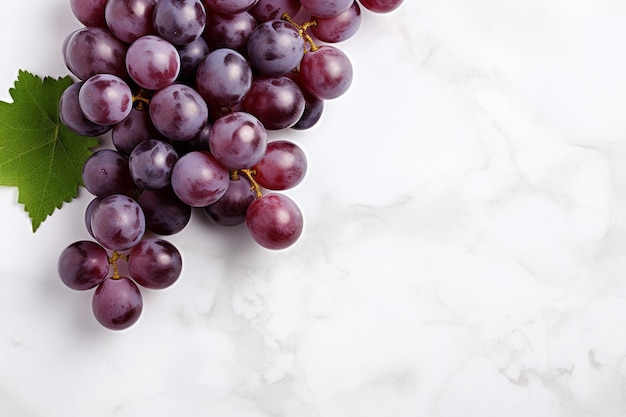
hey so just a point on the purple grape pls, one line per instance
(179, 21)
(274, 221)
(73, 117)
(155, 264)
(93, 50)
(338, 28)
(105, 99)
(223, 78)
(151, 164)
(198, 179)
(381, 6)
(198, 143)
(117, 222)
(275, 47)
(313, 106)
(229, 6)
(190, 57)
(229, 30)
(83, 265)
(106, 172)
(283, 166)
(326, 72)
(266, 10)
(134, 129)
(88, 212)
(89, 12)
(178, 112)
(117, 303)
(164, 212)
(326, 8)
(130, 19)
(152, 62)
(230, 210)
(277, 102)
(238, 140)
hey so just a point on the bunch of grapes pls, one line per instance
(188, 90)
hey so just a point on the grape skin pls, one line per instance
(326, 8)
(230, 6)
(191, 55)
(274, 221)
(265, 10)
(73, 117)
(326, 72)
(277, 102)
(230, 209)
(178, 112)
(198, 179)
(381, 6)
(130, 19)
(179, 21)
(238, 140)
(106, 172)
(117, 303)
(93, 50)
(338, 28)
(89, 12)
(223, 78)
(275, 47)
(155, 264)
(283, 166)
(152, 62)
(105, 99)
(164, 212)
(118, 222)
(135, 128)
(229, 30)
(151, 163)
(83, 265)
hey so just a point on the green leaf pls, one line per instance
(38, 154)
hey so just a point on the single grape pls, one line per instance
(179, 21)
(89, 12)
(83, 265)
(178, 112)
(164, 212)
(229, 30)
(238, 140)
(134, 129)
(326, 8)
(381, 6)
(106, 172)
(73, 117)
(155, 263)
(105, 99)
(118, 222)
(230, 209)
(117, 303)
(277, 102)
(275, 47)
(265, 10)
(93, 50)
(152, 62)
(223, 78)
(130, 19)
(338, 28)
(283, 166)
(326, 72)
(151, 163)
(198, 179)
(230, 6)
(274, 221)
(191, 55)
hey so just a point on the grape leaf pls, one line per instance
(38, 154)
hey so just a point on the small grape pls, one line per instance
(118, 222)
(274, 221)
(106, 172)
(223, 78)
(151, 163)
(73, 117)
(152, 62)
(94, 50)
(277, 102)
(229, 30)
(338, 28)
(130, 19)
(179, 21)
(238, 140)
(178, 112)
(89, 12)
(117, 303)
(105, 99)
(230, 209)
(83, 265)
(326, 72)
(165, 213)
(275, 47)
(198, 179)
(282, 167)
(155, 263)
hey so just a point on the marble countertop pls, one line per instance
(463, 251)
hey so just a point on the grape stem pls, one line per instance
(140, 101)
(249, 173)
(116, 256)
(302, 30)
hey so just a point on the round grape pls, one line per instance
(117, 222)
(326, 72)
(178, 112)
(275, 47)
(155, 263)
(73, 117)
(83, 265)
(117, 303)
(152, 62)
(283, 166)
(223, 78)
(105, 99)
(274, 221)
(151, 163)
(230, 209)
(198, 179)
(179, 21)
(238, 140)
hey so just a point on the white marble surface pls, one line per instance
(463, 253)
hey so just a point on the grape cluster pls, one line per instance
(189, 90)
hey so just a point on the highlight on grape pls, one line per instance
(188, 90)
